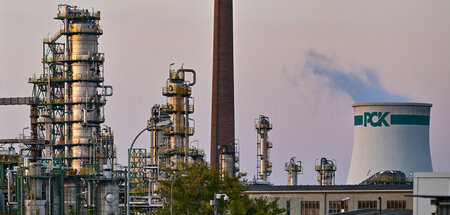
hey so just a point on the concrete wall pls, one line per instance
(429, 183)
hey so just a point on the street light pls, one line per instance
(171, 192)
(160, 124)
(214, 202)
(342, 200)
(128, 172)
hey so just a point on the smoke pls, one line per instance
(321, 74)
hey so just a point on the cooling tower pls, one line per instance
(390, 136)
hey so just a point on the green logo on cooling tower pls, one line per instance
(369, 119)
(375, 119)
(378, 119)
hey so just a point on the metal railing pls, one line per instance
(44, 78)
(95, 57)
(71, 119)
(170, 108)
(177, 130)
(176, 90)
(79, 13)
(176, 75)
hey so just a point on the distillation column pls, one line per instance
(293, 168)
(176, 90)
(73, 95)
(264, 166)
(158, 142)
(326, 170)
(87, 76)
(84, 77)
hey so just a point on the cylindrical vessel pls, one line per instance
(33, 207)
(56, 196)
(226, 164)
(84, 91)
(107, 198)
(390, 136)
(72, 196)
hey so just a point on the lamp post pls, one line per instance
(215, 204)
(171, 192)
(342, 200)
(128, 172)
(163, 123)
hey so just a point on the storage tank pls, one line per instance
(390, 136)
(107, 198)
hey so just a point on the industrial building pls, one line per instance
(329, 199)
(431, 193)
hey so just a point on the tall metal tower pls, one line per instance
(222, 114)
(170, 130)
(326, 170)
(293, 168)
(72, 96)
(72, 87)
(264, 166)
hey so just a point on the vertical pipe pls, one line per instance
(49, 199)
(66, 84)
(61, 187)
(186, 134)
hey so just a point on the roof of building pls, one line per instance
(318, 188)
(374, 211)
(392, 104)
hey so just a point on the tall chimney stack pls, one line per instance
(222, 119)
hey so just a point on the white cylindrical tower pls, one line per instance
(390, 136)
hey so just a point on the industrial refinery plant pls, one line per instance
(68, 164)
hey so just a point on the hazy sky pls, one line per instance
(302, 63)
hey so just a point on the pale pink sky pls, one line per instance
(405, 43)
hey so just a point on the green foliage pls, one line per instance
(91, 211)
(71, 210)
(192, 194)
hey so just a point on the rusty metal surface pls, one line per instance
(222, 120)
